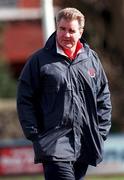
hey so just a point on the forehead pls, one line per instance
(68, 23)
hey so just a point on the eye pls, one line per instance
(71, 31)
(61, 28)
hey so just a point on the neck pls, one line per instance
(70, 50)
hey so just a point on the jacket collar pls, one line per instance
(51, 42)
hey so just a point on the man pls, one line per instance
(63, 101)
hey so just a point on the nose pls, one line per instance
(67, 34)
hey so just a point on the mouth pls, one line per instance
(67, 41)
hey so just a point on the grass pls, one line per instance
(106, 178)
(38, 177)
(33, 177)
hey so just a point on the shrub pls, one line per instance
(7, 82)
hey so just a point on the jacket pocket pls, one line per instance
(47, 141)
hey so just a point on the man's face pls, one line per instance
(68, 33)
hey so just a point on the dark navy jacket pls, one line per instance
(64, 106)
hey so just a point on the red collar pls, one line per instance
(68, 53)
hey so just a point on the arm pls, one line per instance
(28, 86)
(103, 103)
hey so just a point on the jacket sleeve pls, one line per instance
(28, 85)
(104, 106)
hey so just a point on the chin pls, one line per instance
(68, 47)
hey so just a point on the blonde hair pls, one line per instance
(71, 14)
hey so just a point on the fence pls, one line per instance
(16, 157)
